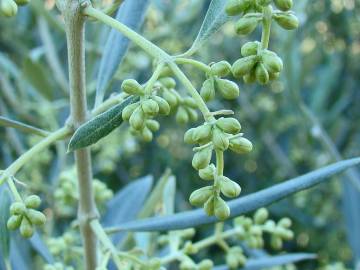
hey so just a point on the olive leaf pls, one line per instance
(131, 13)
(99, 127)
(244, 204)
(5, 202)
(271, 261)
(215, 18)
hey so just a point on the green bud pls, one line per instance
(270, 225)
(284, 233)
(168, 82)
(36, 217)
(220, 140)
(189, 248)
(235, 7)
(262, 76)
(246, 25)
(33, 201)
(228, 187)
(263, 2)
(14, 222)
(150, 107)
(202, 134)
(207, 90)
(128, 111)
(209, 206)
(272, 62)
(188, 233)
(261, 215)
(166, 72)
(17, 208)
(132, 87)
(244, 65)
(287, 21)
(189, 136)
(240, 145)
(187, 265)
(250, 48)
(153, 125)
(221, 69)
(276, 242)
(171, 98)
(26, 229)
(193, 115)
(200, 196)
(22, 2)
(8, 8)
(207, 173)
(229, 125)
(137, 119)
(250, 77)
(202, 158)
(164, 107)
(232, 261)
(182, 116)
(274, 76)
(221, 209)
(205, 265)
(190, 102)
(285, 222)
(283, 5)
(228, 89)
(146, 134)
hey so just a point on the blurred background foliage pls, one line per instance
(304, 120)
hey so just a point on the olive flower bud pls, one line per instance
(228, 89)
(137, 119)
(221, 209)
(150, 107)
(202, 158)
(164, 107)
(205, 265)
(240, 145)
(235, 7)
(132, 87)
(229, 125)
(33, 201)
(261, 215)
(283, 5)
(26, 229)
(17, 208)
(246, 25)
(221, 69)
(271, 61)
(182, 116)
(285, 222)
(36, 217)
(153, 125)
(189, 136)
(168, 82)
(262, 76)
(146, 134)
(8, 8)
(14, 222)
(200, 196)
(220, 140)
(243, 66)
(202, 133)
(22, 2)
(228, 187)
(287, 21)
(250, 48)
(128, 111)
(207, 90)
(207, 173)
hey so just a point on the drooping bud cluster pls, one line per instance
(258, 63)
(220, 135)
(188, 264)
(58, 266)
(235, 258)
(67, 193)
(251, 230)
(216, 84)
(24, 216)
(9, 8)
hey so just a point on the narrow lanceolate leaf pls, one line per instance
(5, 202)
(99, 127)
(271, 261)
(244, 204)
(214, 19)
(39, 245)
(131, 13)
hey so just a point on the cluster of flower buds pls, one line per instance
(215, 83)
(66, 194)
(235, 258)
(140, 114)
(25, 217)
(220, 135)
(259, 63)
(59, 246)
(9, 8)
(58, 266)
(251, 230)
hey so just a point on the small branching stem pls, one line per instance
(266, 23)
(75, 26)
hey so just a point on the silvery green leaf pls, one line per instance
(5, 202)
(39, 245)
(99, 127)
(131, 13)
(244, 204)
(127, 203)
(271, 261)
(214, 19)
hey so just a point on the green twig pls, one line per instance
(6, 122)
